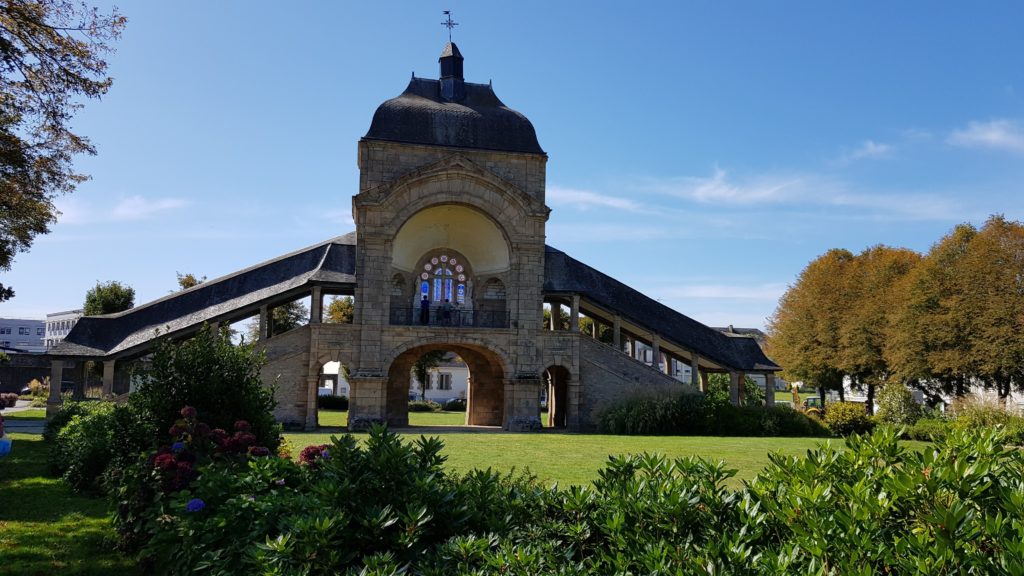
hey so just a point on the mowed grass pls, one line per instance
(34, 414)
(47, 529)
(576, 458)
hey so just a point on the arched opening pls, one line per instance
(484, 392)
(558, 395)
(332, 395)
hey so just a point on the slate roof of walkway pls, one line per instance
(563, 273)
(333, 262)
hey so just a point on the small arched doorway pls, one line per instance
(558, 395)
(485, 397)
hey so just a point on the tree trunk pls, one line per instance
(960, 388)
(842, 392)
(871, 398)
(821, 395)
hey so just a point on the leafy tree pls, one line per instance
(896, 405)
(51, 57)
(870, 288)
(563, 319)
(340, 310)
(108, 298)
(605, 333)
(421, 369)
(804, 331)
(282, 319)
(718, 390)
(993, 273)
(186, 281)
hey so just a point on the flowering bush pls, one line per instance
(8, 399)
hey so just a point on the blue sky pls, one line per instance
(703, 152)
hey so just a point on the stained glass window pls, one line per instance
(449, 282)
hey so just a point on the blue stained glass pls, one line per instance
(424, 289)
(448, 289)
(437, 289)
(461, 292)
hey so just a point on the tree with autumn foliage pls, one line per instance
(804, 332)
(870, 292)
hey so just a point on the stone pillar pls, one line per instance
(656, 352)
(769, 389)
(54, 400)
(367, 402)
(574, 314)
(704, 383)
(316, 306)
(617, 332)
(595, 331)
(695, 372)
(312, 389)
(734, 387)
(572, 415)
(108, 378)
(264, 323)
(522, 404)
(556, 310)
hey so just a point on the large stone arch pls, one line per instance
(488, 369)
(557, 378)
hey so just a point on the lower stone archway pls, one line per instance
(485, 398)
(557, 378)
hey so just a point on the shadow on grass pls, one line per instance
(47, 529)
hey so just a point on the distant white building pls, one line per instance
(58, 325)
(449, 381)
(21, 335)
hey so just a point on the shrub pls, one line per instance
(9, 399)
(455, 405)
(845, 418)
(101, 437)
(220, 380)
(896, 405)
(928, 429)
(718, 390)
(332, 402)
(424, 406)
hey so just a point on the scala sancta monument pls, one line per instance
(448, 254)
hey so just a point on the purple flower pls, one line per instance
(178, 446)
(188, 412)
(195, 505)
(324, 454)
(279, 481)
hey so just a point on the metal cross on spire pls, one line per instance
(449, 24)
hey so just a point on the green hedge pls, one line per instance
(332, 402)
(699, 415)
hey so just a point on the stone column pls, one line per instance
(734, 387)
(316, 306)
(617, 332)
(704, 383)
(264, 323)
(108, 378)
(572, 415)
(656, 352)
(523, 412)
(695, 371)
(556, 311)
(595, 330)
(769, 389)
(54, 400)
(574, 314)
(742, 388)
(367, 402)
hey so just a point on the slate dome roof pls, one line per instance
(476, 119)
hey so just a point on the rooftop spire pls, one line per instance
(453, 86)
(449, 24)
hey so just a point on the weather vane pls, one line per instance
(449, 24)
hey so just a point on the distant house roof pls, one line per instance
(420, 115)
(332, 261)
(562, 273)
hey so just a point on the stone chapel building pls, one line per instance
(448, 254)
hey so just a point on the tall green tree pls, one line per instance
(51, 59)
(421, 369)
(282, 319)
(108, 298)
(804, 330)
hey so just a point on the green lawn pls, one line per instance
(575, 458)
(34, 414)
(47, 529)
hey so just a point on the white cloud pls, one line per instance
(139, 208)
(994, 134)
(719, 188)
(768, 292)
(869, 149)
(584, 199)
